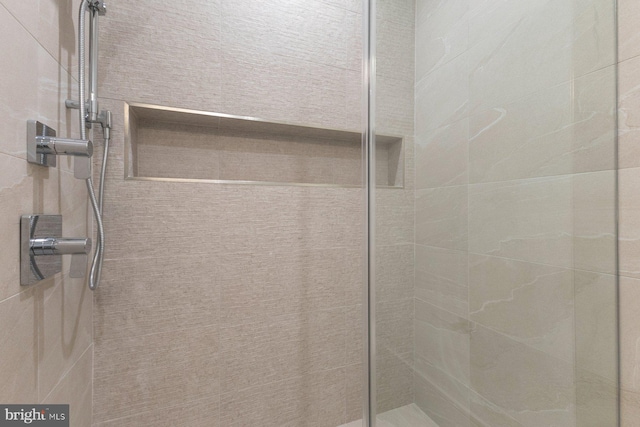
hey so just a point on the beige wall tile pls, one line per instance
(395, 45)
(629, 334)
(529, 303)
(140, 297)
(313, 400)
(596, 400)
(394, 325)
(355, 375)
(64, 331)
(151, 372)
(500, 72)
(394, 379)
(628, 36)
(442, 340)
(159, 57)
(75, 390)
(486, 414)
(442, 97)
(19, 349)
(454, 390)
(629, 408)
(355, 334)
(596, 309)
(443, 156)
(53, 25)
(438, 405)
(198, 413)
(284, 282)
(559, 130)
(394, 106)
(442, 216)
(442, 33)
(46, 331)
(528, 385)
(442, 278)
(629, 228)
(394, 217)
(594, 221)
(530, 220)
(280, 348)
(628, 114)
(34, 86)
(394, 272)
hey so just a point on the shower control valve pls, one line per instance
(43, 146)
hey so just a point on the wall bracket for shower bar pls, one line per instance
(43, 146)
(42, 247)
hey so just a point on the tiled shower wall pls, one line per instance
(238, 305)
(629, 181)
(515, 192)
(46, 351)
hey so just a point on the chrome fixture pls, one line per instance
(43, 146)
(89, 114)
(42, 247)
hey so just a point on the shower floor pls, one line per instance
(405, 416)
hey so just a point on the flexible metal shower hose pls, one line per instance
(96, 265)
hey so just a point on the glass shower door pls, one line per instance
(495, 263)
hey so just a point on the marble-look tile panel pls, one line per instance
(539, 45)
(455, 391)
(629, 408)
(528, 385)
(596, 400)
(628, 114)
(438, 405)
(442, 277)
(65, 330)
(594, 221)
(442, 33)
(53, 25)
(629, 226)
(442, 340)
(596, 313)
(75, 390)
(629, 335)
(442, 216)
(19, 349)
(443, 156)
(442, 96)
(560, 130)
(529, 303)
(628, 36)
(529, 220)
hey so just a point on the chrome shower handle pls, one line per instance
(78, 248)
(43, 146)
(59, 246)
(63, 146)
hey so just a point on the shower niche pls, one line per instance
(171, 144)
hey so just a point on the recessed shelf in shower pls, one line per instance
(177, 144)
